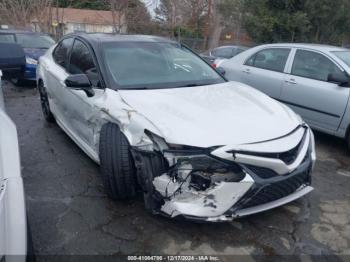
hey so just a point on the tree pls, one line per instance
(275, 21)
(19, 13)
(329, 20)
(170, 13)
(186, 16)
(232, 14)
(138, 18)
(323, 21)
(85, 4)
(119, 11)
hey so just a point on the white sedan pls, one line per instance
(314, 80)
(13, 222)
(159, 119)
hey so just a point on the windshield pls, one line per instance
(146, 65)
(35, 41)
(344, 56)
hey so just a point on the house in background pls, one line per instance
(69, 20)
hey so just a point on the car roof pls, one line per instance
(318, 47)
(4, 31)
(232, 46)
(96, 38)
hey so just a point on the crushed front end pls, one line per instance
(225, 182)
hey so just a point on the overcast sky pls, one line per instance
(151, 5)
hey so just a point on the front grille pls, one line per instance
(274, 190)
(290, 156)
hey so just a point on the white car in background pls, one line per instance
(15, 241)
(314, 80)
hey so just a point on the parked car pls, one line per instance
(222, 52)
(15, 241)
(34, 45)
(312, 79)
(155, 115)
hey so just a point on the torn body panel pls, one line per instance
(206, 187)
(172, 184)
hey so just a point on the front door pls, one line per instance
(307, 90)
(56, 73)
(80, 114)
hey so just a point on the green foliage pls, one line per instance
(85, 4)
(186, 32)
(321, 21)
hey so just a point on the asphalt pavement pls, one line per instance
(69, 213)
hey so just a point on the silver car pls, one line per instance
(312, 79)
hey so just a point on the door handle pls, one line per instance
(247, 71)
(291, 81)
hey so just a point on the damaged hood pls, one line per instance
(216, 115)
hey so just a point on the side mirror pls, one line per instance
(221, 71)
(80, 82)
(340, 79)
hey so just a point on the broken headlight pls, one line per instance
(203, 171)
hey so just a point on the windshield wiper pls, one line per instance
(191, 85)
(138, 88)
(195, 84)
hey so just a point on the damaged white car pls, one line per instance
(157, 118)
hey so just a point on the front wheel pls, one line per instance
(45, 105)
(117, 166)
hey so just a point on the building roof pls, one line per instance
(83, 16)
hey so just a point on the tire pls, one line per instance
(45, 105)
(116, 163)
(348, 141)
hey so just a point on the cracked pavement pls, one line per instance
(69, 212)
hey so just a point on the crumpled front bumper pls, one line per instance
(262, 195)
(267, 180)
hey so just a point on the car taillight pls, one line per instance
(213, 65)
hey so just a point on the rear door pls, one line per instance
(306, 89)
(265, 70)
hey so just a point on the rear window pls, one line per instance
(35, 41)
(7, 38)
(273, 59)
(344, 56)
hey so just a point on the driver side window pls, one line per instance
(61, 53)
(313, 65)
(82, 62)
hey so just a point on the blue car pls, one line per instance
(34, 45)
